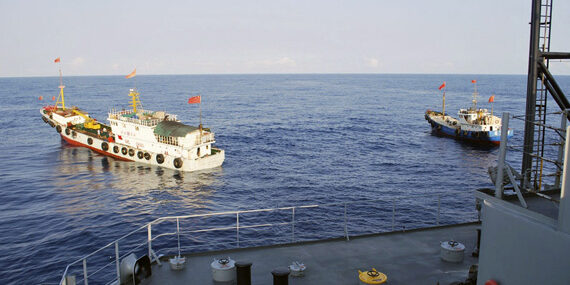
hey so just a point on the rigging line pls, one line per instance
(548, 144)
(556, 163)
(521, 117)
(543, 125)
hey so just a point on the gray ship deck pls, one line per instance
(411, 257)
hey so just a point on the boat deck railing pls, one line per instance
(204, 138)
(124, 115)
(170, 236)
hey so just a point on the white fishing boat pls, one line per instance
(136, 134)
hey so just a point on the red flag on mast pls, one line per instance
(442, 85)
(57, 60)
(492, 99)
(473, 81)
(195, 100)
(132, 74)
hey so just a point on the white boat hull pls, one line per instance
(129, 153)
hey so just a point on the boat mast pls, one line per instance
(135, 100)
(61, 86)
(443, 108)
(474, 95)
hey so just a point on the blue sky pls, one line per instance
(277, 36)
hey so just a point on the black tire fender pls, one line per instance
(178, 162)
(159, 158)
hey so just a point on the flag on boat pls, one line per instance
(492, 99)
(57, 60)
(442, 85)
(132, 74)
(53, 98)
(194, 100)
(473, 81)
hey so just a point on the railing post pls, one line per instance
(149, 234)
(393, 214)
(345, 223)
(237, 228)
(502, 153)
(117, 261)
(85, 272)
(438, 207)
(293, 224)
(178, 234)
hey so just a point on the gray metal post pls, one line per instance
(178, 234)
(560, 150)
(85, 272)
(502, 154)
(149, 240)
(117, 261)
(345, 223)
(237, 228)
(293, 224)
(531, 90)
(438, 207)
(393, 214)
(564, 208)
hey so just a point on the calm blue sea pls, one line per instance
(289, 140)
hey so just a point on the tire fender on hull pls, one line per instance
(177, 162)
(159, 158)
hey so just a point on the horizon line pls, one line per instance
(299, 73)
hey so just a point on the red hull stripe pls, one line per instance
(76, 143)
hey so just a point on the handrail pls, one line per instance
(342, 210)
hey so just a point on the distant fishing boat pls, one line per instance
(151, 137)
(472, 124)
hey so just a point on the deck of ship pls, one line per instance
(411, 257)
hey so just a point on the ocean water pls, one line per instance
(289, 140)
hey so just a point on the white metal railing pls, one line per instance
(344, 211)
(204, 138)
(150, 122)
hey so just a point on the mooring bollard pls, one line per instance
(243, 272)
(280, 276)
